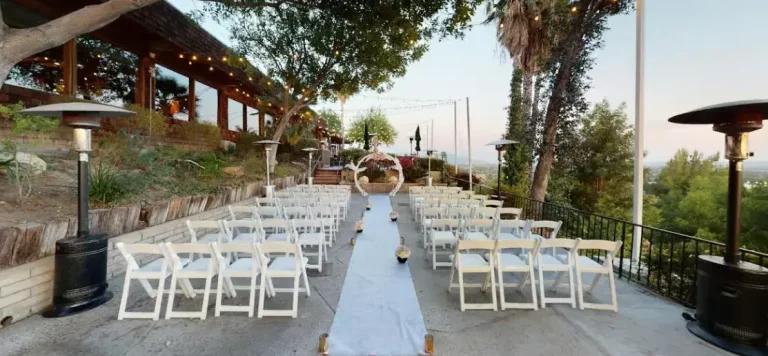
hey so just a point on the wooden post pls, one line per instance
(222, 116)
(145, 83)
(261, 123)
(69, 64)
(192, 100)
(245, 118)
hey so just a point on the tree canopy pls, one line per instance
(332, 119)
(377, 124)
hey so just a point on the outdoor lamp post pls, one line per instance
(268, 146)
(429, 167)
(500, 145)
(80, 274)
(310, 179)
(731, 293)
(410, 138)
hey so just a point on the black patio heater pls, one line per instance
(731, 295)
(500, 146)
(80, 274)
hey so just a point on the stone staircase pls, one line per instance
(327, 176)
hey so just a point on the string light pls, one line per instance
(410, 42)
(574, 9)
(269, 83)
(194, 58)
(209, 59)
(337, 53)
(231, 74)
(46, 58)
(501, 25)
(249, 78)
(242, 59)
(181, 55)
(97, 56)
(190, 62)
(536, 18)
(210, 69)
(224, 59)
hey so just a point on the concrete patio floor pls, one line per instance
(645, 324)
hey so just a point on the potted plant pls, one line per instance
(403, 252)
(393, 216)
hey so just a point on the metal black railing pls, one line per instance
(667, 260)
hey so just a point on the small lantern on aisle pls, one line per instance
(359, 226)
(393, 216)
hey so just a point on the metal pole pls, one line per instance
(469, 147)
(637, 196)
(343, 135)
(432, 140)
(309, 169)
(455, 141)
(733, 233)
(498, 178)
(83, 142)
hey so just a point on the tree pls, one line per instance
(331, 118)
(517, 160)
(18, 44)
(377, 123)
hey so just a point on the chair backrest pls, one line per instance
(266, 201)
(241, 211)
(305, 226)
(604, 245)
(433, 213)
(523, 226)
(295, 212)
(530, 244)
(208, 226)
(486, 213)
(562, 243)
(479, 224)
(449, 202)
(510, 213)
(553, 226)
(429, 202)
(479, 197)
(128, 250)
(232, 227)
(272, 224)
(278, 247)
(232, 247)
(459, 212)
(493, 203)
(446, 224)
(489, 245)
(268, 212)
(283, 194)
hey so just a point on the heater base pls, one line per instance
(58, 311)
(739, 349)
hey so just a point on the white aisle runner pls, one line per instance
(378, 312)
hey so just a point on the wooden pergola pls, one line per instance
(159, 34)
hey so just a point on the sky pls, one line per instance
(697, 53)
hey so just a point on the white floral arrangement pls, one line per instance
(368, 205)
(403, 252)
(393, 216)
(363, 180)
(359, 226)
(393, 180)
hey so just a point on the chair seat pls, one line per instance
(278, 237)
(242, 264)
(475, 235)
(247, 237)
(471, 260)
(208, 238)
(284, 264)
(550, 260)
(443, 236)
(157, 265)
(426, 222)
(508, 259)
(198, 265)
(536, 236)
(508, 236)
(311, 238)
(586, 262)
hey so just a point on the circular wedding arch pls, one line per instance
(379, 156)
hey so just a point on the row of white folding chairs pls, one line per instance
(342, 204)
(416, 198)
(461, 212)
(447, 232)
(310, 232)
(253, 263)
(420, 189)
(330, 214)
(494, 259)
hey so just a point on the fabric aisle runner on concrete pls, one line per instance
(378, 312)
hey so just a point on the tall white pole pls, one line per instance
(342, 99)
(455, 141)
(469, 147)
(637, 206)
(432, 140)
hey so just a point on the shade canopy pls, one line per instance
(501, 143)
(79, 114)
(724, 113)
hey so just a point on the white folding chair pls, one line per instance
(244, 267)
(204, 232)
(493, 203)
(269, 212)
(309, 233)
(459, 212)
(266, 201)
(428, 215)
(548, 263)
(202, 268)
(479, 229)
(512, 263)
(546, 229)
(328, 215)
(283, 194)
(585, 264)
(442, 232)
(514, 229)
(466, 262)
(295, 212)
(292, 265)
(244, 231)
(510, 213)
(159, 270)
(486, 213)
(277, 230)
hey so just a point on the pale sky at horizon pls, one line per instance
(698, 53)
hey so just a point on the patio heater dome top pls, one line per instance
(744, 111)
(501, 142)
(267, 142)
(309, 149)
(79, 114)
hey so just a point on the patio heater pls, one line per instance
(80, 274)
(500, 145)
(269, 145)
(310, 179)
(429, 167)
(410, 138)
(730, 293)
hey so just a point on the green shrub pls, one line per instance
(353, 155)
(254, 164)
(244, 143)
(28, 124)
(413, 174)
(146, 122)
(437, 164)
(200, 133)
(108, 185)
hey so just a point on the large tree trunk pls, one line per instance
(526, 103)
(17, 44)
(279, 130)
(533, 126)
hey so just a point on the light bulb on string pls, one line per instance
(536, 18)
(224, 59)
(190, 62)
(231, 74)
(209, 59)
(194, 58)
(574, 9)
(181, 55)
(210, 69)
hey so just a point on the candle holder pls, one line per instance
(80, 273)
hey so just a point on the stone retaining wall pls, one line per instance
(26, 252)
